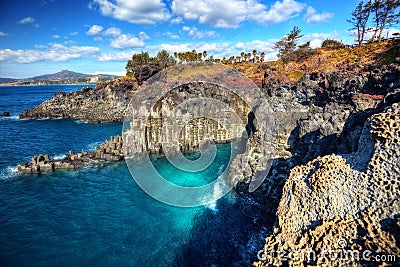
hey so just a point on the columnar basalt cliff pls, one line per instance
(105, 103)
(170, 125)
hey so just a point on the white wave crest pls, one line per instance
(80, 121)
(8, 172)
(11, 118)
(92, 146)
(58, 157)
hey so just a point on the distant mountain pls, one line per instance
(67, 74)
(62, 75)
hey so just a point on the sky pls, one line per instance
(98, 36)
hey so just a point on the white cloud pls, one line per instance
(179, 47)
(230, 13)
(143, 36)
(27, 20)
(118, 73)
(218, 13)
(56, 36)
(123, 56)
(177, 20)
(316, 39)
(260, 46)
(73, 33)
(113, 31)
(95, 30)
(53, 52)
(211, 48)
(125, 41)
(197, 34)
(171, 35)
(313, 17)
(279, 12)
(3, 34)
(117, 39)
(138, 11)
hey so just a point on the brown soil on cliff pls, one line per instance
(353, 60)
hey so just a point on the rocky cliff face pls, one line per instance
(320, 115)
(106, 103)
(330, 156)
(344, 202)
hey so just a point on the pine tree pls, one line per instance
(359, 19)
(287, 45)
(385, 13)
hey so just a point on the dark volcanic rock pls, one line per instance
(321, 115)
(143, 73)
(105, 103)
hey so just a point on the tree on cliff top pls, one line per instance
(359, 19)
(138, 61)
(385, 13)
(332, 43)
(287, 45)
(164, 59)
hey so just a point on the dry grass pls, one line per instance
(328, 60)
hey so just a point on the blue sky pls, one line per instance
(99, 36)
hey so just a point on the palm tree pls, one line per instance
(262, 56)
(242, 55)
(254, 55)
(205, 54)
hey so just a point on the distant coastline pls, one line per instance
(64, 77)
(55, 84)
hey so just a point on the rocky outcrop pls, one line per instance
(321, 115)
(108, 151)
(144, 72)
(352, 201)
(105, 103)
(5, 114)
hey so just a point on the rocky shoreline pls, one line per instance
(337, 142)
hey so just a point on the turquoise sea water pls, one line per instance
(99, 216)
